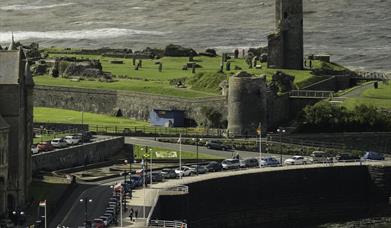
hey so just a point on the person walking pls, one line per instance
(131, 214)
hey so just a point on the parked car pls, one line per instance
(370, 155)
(137, 181)
(217, 145)
(269, 162)
(98, 223)
(231, 164)
(34, 149)
(347, 157)
(320, 157)
(214, 166)
(201, 169)
(156, 177)
(249, 162)
(185, 171)
(169, 174)
(45, 146)
(296, 160)
(85, 136)
(72, 139)
(59, 143)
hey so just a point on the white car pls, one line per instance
(231, 164)
(34, 149)
(185, 171)
(72, 139)
(296, 160)
(59, 143)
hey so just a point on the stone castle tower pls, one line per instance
(247, 99)
(16, 117)
(285, 46)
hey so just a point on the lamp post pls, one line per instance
(281, 131)
(196, 141)
(85, 200)
(149, 153)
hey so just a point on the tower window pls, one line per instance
(285, 15)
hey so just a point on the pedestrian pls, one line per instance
(131, 214)
(135, 214)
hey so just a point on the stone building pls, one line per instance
(247, 104)
(16, 121)
(285, 46)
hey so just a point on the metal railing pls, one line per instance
(155, 131)
(311, 94)
(372, 75)
(180, 188)
(167, 224)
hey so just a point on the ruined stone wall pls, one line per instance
(286, 45)
(280, 198)
(77, 155)
(131, 104)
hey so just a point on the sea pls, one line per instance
(356, 33)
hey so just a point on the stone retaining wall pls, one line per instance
(130, 104)
(77, 155)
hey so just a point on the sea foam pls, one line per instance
(33, 7)
(102, 33)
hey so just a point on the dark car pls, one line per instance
(214, 166)
(169, 174)
(85, 136)
(137, 181)
(45, 146)
(201, 169)
(217, 145)
(347, 157)
(156, 177)
(370, 155)
(249, 162)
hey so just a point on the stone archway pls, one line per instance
(11, 203)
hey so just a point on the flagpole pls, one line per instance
(120, 196)
(46, 221)
(180, 154)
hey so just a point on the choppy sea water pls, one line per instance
(357, 33)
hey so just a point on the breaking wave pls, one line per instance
(93, 34)
(32, 7)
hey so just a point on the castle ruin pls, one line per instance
(285, 46)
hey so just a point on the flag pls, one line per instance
(42, 203)
(259, 129)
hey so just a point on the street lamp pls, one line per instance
(281, 131)
(150, 161)
(85, 200)
(196, 141)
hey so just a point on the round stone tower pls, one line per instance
(246, 104)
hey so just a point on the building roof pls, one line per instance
(10, 66)
(3, 124)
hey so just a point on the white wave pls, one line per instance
(93, 34)
(32, 7)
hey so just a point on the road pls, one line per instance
(201, 149)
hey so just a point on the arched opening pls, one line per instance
(2, 196)
(10, 202)
(285, 15)
(119, 113)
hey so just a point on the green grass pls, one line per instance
(153, 87)
(150, 80)
(380, 97)
(139, 152)
(52, 115)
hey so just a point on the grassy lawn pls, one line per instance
(52, 115)
(380, 97)
(139, 151)
(149, 80)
